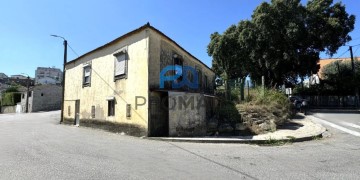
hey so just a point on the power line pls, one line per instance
(356, 49)
(117, 93)
(356, 45)
(343, 53)
(72, 49)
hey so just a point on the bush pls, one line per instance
(10, 99)
(265, 109)
(12, 89)
(271, 97)
(227, 112)
(234, 94)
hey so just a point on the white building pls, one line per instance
(18, 76)
(3, 76)
(49, 75)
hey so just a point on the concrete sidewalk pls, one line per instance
(296, 130)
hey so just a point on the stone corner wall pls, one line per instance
(47, 98)
(8, 109)
(187, 114)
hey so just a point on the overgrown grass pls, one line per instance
(275, 142)
(116, 127)
(269, 105)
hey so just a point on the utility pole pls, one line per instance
(263, 86)
(63, 82)
(248, 90)
(27, 95)
(63, 79)
(354, 74)
(352, 60)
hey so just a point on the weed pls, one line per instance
(316, 138)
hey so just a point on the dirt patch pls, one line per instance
(116, 127)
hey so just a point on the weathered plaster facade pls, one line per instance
(103, 85)
(147, 52)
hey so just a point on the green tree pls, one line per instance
(338, 77)
(282, 41)
(291, 36)
(228, 56)
(12, 89)
(11, 96)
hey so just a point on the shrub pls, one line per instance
(10, 99)
(265, 109)
(227, 112)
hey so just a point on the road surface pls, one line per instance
(35, 146)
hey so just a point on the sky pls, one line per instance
(26, 26)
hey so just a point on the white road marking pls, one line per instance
(350, 124)
(355, 133)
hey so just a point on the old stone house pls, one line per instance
(124, 81)
(42, 98)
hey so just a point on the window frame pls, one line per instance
(180, 63)
(200, 77)
(206, 81)
(86, 84)
(121, 51)
(128, 110)
(111, 108)
(69, 110)
(93, 112)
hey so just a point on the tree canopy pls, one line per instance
(282, 40)
(339, 78)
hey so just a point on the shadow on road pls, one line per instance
(293, 125)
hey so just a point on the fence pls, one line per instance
(332, 101)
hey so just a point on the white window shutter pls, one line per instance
(87, 71)
(120, 65)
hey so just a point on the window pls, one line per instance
(205, 82)
(69, 111)
(199, 74)
(120, 65)
(190, 76)
(30, 92)
(93, 111)
(179, 62)
(23, 96)
(87, 75)
(42, 94)
(111, 107)
(128, 110)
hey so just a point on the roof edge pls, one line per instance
(147, 25)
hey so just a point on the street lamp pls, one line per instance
(27, 93)
(63, 79)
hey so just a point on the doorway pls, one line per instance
(77, 112)
(159, 114)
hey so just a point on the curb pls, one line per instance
(356, 111)
(239, 140)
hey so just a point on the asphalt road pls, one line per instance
(35, 146)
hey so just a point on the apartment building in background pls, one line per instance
(48, 75)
